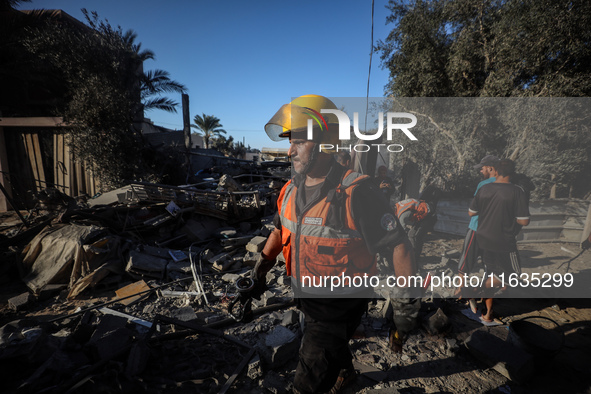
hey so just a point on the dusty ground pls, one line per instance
(429, 364)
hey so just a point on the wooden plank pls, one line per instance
(32, 122)
(88, 178)
(58, 160)
(67, 160)
(80, 183)
(129, 290)
(30, 157)
(38, 161)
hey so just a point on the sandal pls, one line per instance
(486, 320)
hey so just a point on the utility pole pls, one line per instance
(187, 132)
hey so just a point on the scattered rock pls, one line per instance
(256, 244)
(20, 302)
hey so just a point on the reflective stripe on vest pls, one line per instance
(323, 250)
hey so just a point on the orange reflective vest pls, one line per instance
(419, 209)
(311, 248)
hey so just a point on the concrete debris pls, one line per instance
(184, 314)
(216, 235)
(20, 302)
(144, 265)
(256, 244)
(255, 370)
(228, 183)
(290, 317)
(281, 346)
(131, 319)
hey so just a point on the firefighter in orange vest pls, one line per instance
(330, 224)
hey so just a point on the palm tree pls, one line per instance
(152, 83)
(208, 126)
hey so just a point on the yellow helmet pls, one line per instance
(293, 118)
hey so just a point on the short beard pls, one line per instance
(311, 161)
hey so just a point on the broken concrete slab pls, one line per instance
(230, 184)
(231, 278)
(142, 264)
(281, 345)
(219, 258)
(290, 317)
(21, 302)
(256, 244)
(202, 229)
(504, 357)
(184, 314)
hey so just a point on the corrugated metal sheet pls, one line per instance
(551, 220)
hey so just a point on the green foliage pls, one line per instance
(100, 70)
(494, 48)
(208, 126)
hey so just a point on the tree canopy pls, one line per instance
(495, 48)
(103, 92)
(208, 126)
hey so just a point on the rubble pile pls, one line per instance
(132, 292)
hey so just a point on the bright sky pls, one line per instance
(242, 60)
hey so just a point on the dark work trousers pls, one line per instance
(468, 262)
(324, 352)
(418, 232)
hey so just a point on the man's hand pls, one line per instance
(259, 275)
(385, 185)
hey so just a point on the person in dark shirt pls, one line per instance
(502, 210)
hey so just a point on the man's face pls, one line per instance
(487, 172)
(301, 155)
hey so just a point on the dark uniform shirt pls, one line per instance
(498, 205)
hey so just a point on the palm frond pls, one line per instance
(161, 103)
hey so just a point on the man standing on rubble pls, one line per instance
(331, 221)
(503, 209)
(470, 251)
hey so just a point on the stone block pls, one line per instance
(256, 244)
(282, 345)
(290, 317)
(20, 302)
(146, 265)
(184, 314)
(230, 277)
